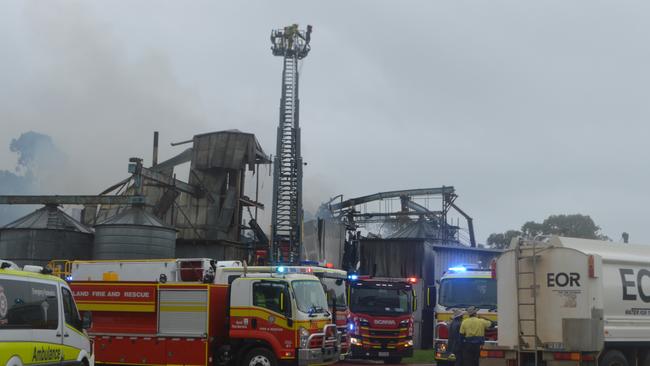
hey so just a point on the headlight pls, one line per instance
(442, 347)
(364, 322)
(404, 323)
(409, 343)
(304, 337)
(356, 341)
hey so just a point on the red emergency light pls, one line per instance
(329, 265)
(412, 280)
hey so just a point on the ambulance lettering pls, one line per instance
(46, 353)
(4, 305)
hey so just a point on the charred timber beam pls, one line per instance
(171, 182)
(470, 224)
(71, 200)
(392, 194)
(249, 202)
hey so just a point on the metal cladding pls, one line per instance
(134, 234)
(45, 234)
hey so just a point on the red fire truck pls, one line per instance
(381, 325)
(197, 312)
(334, 284)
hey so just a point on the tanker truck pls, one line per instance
(566, 301)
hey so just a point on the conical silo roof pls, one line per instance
(48, 218)
(134, 216)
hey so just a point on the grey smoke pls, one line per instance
(38, 159)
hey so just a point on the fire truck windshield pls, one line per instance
(464, 292)
(335, 290)
(380, 301)
(310, 297)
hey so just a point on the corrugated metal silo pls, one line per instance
(134, 234)
(45, 234)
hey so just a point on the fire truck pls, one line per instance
(203, 312)
(461, 287)
(334, 284)
(381, 317)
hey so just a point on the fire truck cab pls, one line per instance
(381, 317)
(334, 284)
(461, 287)
(203, 312)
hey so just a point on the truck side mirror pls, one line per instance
(87, 320)
(431, 296)
(415, 301)
(285, 305)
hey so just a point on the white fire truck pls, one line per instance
(460, 287)
(202, 312)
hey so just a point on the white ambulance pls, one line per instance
(39, 321)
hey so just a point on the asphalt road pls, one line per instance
(374, 363)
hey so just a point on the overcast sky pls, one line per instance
(526, 109)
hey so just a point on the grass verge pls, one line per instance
(421, 356)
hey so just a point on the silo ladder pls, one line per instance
(527, 302)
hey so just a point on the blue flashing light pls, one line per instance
(351, 327)
(458, 269)
(68, 278)
(353, 277)
(281, 269)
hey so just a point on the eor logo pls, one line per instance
(628, 283)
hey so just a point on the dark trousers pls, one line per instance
(459, 356)
(471, 354)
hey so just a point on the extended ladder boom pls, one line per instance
(292, 44)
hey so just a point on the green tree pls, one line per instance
(502, 240)
(575, 226)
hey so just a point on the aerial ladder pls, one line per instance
(292, 44)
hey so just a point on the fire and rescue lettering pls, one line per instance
(132, 294)
(628, 283)
(122, 293)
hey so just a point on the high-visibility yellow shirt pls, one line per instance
(474, 327)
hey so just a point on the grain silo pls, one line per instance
(134, 234)
(45, 234)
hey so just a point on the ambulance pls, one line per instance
(39, 321)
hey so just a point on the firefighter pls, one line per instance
(472, 329)
(289, 33)
(455, 345)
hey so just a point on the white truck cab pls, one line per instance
(39, 321)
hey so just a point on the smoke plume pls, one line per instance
(37, 162)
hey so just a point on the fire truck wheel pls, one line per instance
(645, 360)
(613, 358)
(259, 357)
(393, 360)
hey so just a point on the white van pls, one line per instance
(39, 321)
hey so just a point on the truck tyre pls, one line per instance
(645, 360)
(261, 357)
(613, 358)
(393, 360)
